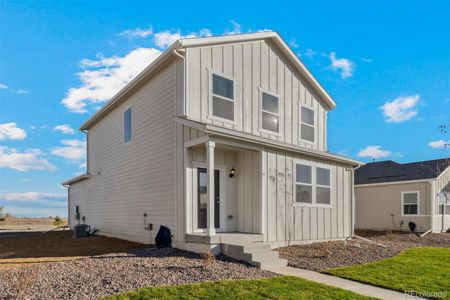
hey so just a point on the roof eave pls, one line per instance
(76, 179)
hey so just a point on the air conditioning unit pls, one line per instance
(81, 230)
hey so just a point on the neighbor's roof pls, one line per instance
(206, 41)
(390, 171)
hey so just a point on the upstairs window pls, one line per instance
(127, 125)
(270, 113)
(307, 124)
(223, 97)
(410, 202)
(303, 185)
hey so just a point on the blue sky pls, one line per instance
(387, 65)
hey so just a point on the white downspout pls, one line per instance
(432, 206)
(352, 201)
(184, 80)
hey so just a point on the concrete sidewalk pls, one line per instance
(360, 288)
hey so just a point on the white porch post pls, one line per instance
(211, 230)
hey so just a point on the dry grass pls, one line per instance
(20, 224)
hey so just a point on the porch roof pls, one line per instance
(263, 142)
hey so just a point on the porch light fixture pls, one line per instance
(232, 172)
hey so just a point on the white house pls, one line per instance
(389, 195)
(218, 135)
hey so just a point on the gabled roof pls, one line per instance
(204, 41)
(390, 171)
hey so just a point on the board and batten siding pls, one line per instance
(286, 222)
(254, 66)
(128, 180)
(243, 201)
(375, 204)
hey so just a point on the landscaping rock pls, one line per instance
(97, 276)
(327, 255)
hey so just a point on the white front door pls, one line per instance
(200, 199)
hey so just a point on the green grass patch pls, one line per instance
(423, 270)
(285, 287)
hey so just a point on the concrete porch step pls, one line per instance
(255, 253)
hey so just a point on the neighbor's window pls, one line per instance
(410, 203)
(222, 97)
(307, 124)
(323, 194)
(303, 185)
(270, 114)
(443, 196)
(127, 125)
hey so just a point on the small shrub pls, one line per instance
(208, 258)
(57, 221)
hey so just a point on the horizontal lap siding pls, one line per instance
(253, 65)
(289, 223)
(130, 179)
(376, 204)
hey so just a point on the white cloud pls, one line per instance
(64, 128)
(164, 39)
(401, 109)
(439, 144)
(104, 77)
(10, 131)
(72, 149)
(136, 33)
(237, 28)
(293, 43)
(374, 152)
(30, 196)
(367, 60)
(3, 86)
(25, 180)
(344, 65)
(20, 91)
(309, 53)
(23, 161)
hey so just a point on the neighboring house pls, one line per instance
(217, 135)
(389, 195)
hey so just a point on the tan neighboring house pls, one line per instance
(218, 138)
(389, 195)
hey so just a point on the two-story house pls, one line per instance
(218, 138)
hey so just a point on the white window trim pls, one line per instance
(418, 203)
(313, 184)
(211, 116)
(300, 122)
(131, 125)
(260, 128)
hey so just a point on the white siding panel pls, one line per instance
(130, 179)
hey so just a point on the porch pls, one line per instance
(223, 190)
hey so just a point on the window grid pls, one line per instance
(314, 185)
(221, 97)
(303, 123)
(410, 208)
(277, 115)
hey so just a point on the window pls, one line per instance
(269, 113)
(307, 124)
(127, 125)
(222, 97)
(323, 195)
(443, 196)
(303, 186)
(313, 185)
(410, 203)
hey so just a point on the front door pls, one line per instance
(202, 198)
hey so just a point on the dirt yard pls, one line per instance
(57, 266)
(327, 255)
(56, 246)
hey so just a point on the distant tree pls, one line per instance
(1, 212)
(57, 221)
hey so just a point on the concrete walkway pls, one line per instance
(349, 285)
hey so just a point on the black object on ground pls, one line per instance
(163, 238)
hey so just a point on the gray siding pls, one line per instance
(130, 179)
(288, 222)
(375, 204)
(253, 66)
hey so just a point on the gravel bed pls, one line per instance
(327, 255)
(97, 276)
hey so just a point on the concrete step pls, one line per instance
(268, 264)
(257, 254)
